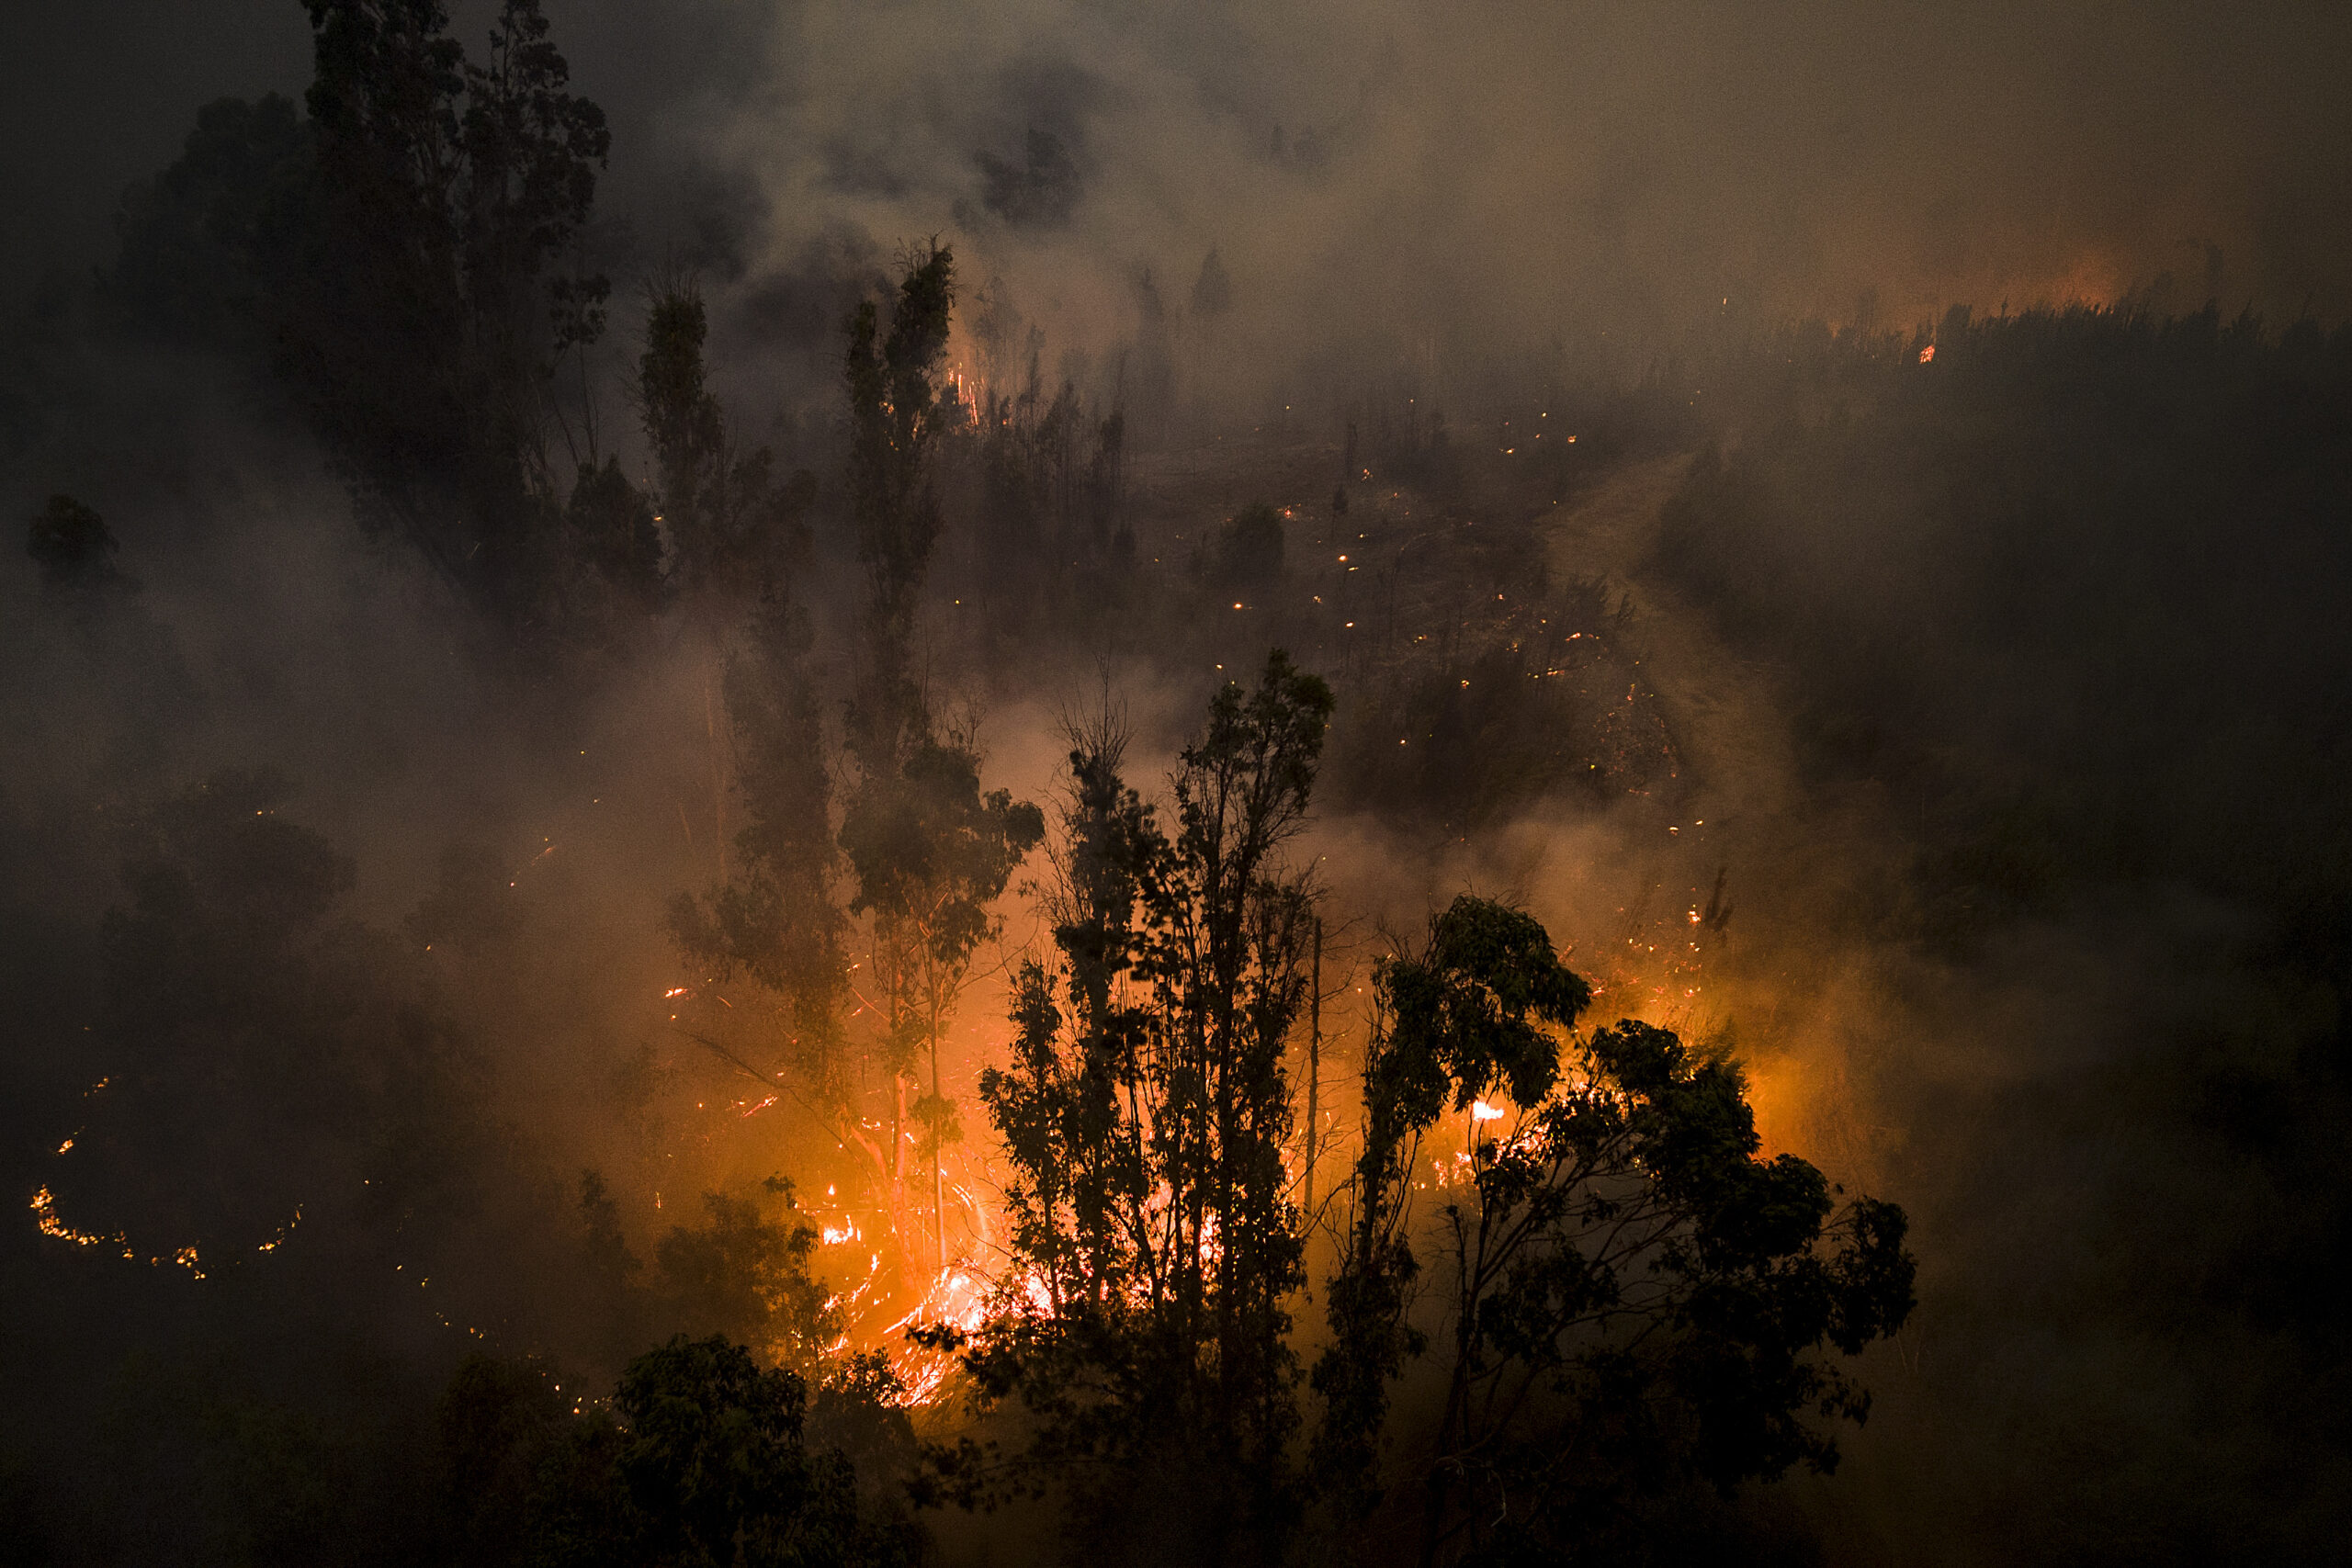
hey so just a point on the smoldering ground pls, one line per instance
(2014, 770)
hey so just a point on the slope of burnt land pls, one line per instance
(1478, 669)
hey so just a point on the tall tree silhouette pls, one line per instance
(704, 1459)
(740, 545)
(735, 530)
(894, 408)
(1144, 1114)
(931, 852)
(423, 318)
(1632, 1298)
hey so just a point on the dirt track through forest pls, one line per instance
(1728, 714)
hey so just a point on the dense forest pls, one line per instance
(962, 946)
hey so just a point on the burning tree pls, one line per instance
(1145, 1113)
(1635, 1300)
(931, 854)
(739, 537)
(927, 850)
(894, 407)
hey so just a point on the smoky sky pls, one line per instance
(1481, 174)
(1382, 182)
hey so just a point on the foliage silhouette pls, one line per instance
(1634, 1297)
(930, 852)
(700, 1461)
(1246, 554)
(1142, 1328)
(405, 257)
(733, 528)
(744, 1272)
(74, 547)
(894, 508)
(1040, 191)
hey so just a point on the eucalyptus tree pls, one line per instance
(930, 851)
(431, 292)
(1142, 1325)
(894, 406)
(1632, 1299)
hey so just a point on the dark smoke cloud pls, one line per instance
(1435, 187)
(1488, 173)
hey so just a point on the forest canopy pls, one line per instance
(687, 881)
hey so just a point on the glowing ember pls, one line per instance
(44, 1208)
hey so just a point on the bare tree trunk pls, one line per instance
(938, 1148)
(718, 769)
(1315, 1041)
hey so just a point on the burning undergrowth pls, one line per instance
(911, 949)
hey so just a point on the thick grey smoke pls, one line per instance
(1394, 177)
(1496, 173)
(1442, 197)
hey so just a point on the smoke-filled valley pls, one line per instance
(944, 784)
